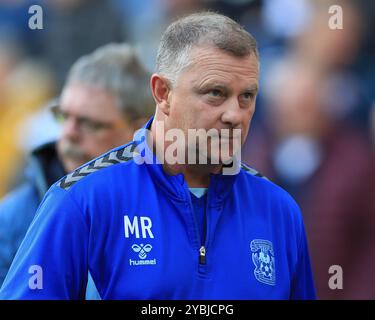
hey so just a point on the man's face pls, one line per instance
(216, 91)
(91, 124)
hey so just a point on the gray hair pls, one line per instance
(205, 28)
(116, 68)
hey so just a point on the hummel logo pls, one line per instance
(142, 249)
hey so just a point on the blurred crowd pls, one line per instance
(314, 129)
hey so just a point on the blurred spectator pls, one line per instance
(105, 99)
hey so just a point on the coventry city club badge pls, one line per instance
(264, 260)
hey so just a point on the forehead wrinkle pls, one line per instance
(224, 71)
(236, 68)
(210, 63)
(77, 101)
(211, 55)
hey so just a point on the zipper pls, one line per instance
(203, 245)
(202, 249)
(202, 255)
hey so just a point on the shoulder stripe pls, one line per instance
(113, 157)
(252, 171)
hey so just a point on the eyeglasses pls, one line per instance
(86, 125)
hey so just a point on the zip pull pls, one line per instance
(202, 255)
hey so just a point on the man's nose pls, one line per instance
(70, 129)
(232, 114)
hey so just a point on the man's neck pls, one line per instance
(196, 176)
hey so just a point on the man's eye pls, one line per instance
(90, 125)
(248, 96)
(215, 93)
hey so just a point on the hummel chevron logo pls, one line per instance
(122, 155)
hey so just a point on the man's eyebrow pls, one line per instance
(253, 88)
(212, 85)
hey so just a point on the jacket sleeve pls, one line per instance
(51, 262)
(303, 287)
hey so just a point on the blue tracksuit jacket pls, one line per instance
(133, 228)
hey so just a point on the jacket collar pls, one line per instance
(175, 185)
(44, 167)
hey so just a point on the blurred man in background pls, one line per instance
(105, 99)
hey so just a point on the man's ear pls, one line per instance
(161, 92)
